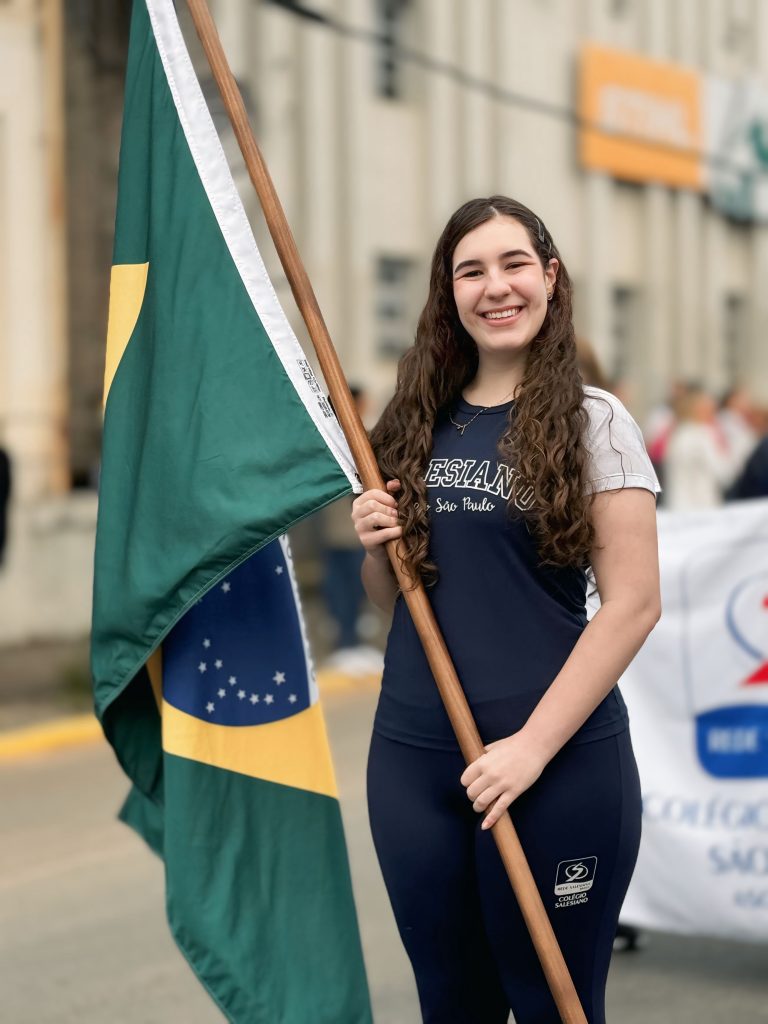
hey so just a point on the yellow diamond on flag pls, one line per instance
(127, 285)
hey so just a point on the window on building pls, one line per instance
(624, 325)
(391, 16)
(737, 26)
(394, 305)
(735, 337)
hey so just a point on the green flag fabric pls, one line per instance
(217, 439)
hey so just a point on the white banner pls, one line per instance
(698, 701)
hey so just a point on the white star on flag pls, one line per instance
(279, 570)
(218, 663)
(241, 694)
(293, 698)
(222, 693)
(209, 707)
(226, 587)
(206, 642)
(268, 699)
(254, 698)
(279, 678)
(232, 680)
(202, 667)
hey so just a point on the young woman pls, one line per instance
(506, 480)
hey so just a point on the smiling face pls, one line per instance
(500, 287)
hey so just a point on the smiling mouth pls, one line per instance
(496, 315)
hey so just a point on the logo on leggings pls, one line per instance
(573, 879)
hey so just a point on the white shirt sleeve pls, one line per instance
(615, 444)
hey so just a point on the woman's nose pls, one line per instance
(496, 283)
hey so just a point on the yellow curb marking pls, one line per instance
(332, 681)
(37, 739)
(81, 729)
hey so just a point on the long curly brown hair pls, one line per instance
(545, 427)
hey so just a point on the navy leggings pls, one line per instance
(579, 826)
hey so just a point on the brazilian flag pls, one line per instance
(217, 439)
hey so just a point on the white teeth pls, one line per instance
(503, 314)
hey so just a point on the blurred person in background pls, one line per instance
(736, 418)
(589, 365)
(659, 426)
(5, 496)
(698, 465)
(760, 420)
(342, 586)
(592, 373)
(752, 482)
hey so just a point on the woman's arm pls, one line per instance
(626, 565)
(379, 580)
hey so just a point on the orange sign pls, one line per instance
(641, 119)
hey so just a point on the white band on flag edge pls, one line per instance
(311, 678)
(216, 177)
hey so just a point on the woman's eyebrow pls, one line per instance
(502, 256)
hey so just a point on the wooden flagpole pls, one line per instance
(553, 964)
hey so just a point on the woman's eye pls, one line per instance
(509, 266)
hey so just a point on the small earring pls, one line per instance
(549, 296)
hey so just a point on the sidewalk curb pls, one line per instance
(72, 731)
(331, 681)
(79, 730)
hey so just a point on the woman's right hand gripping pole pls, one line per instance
(375, 518)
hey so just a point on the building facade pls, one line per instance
(377, 119)
(372, 148)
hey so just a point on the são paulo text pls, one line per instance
(469, 474)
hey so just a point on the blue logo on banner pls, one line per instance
(732, 741)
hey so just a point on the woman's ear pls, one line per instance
(551, 272)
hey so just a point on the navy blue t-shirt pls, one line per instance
(509, 624)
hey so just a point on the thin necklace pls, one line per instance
(461, 427)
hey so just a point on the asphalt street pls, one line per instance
(83, 938)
